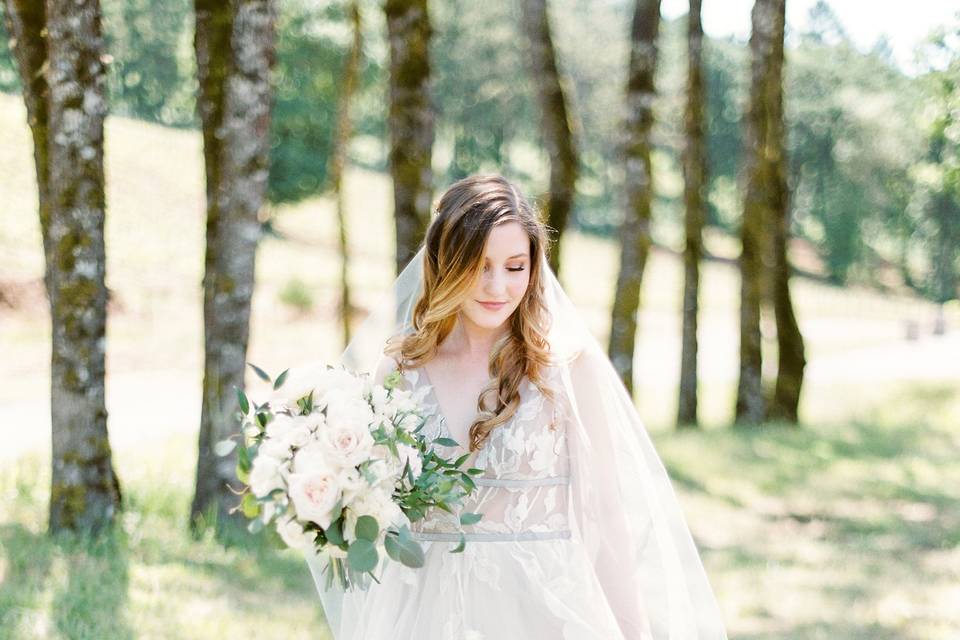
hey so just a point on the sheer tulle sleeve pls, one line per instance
(625, 511)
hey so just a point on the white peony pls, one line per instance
(411, 454)
(378, 504)
(293, 534)
(314, 495)
(265, 475)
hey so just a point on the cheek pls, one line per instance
(518, 287)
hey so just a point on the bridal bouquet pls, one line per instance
(340, 467)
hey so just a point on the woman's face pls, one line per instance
(504, 278)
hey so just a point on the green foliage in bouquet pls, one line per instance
(440, 482)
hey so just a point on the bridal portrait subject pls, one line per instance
(581, 535)
(459, 320)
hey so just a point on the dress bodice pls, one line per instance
(523, 491)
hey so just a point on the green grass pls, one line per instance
(835, 530)
(149, 578)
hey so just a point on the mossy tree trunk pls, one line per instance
(694, 198)
(235, 50)
(791, 360)
(764, 267)
(411, 122)
(557, 122)
(754, 254)
(635, 238)
(66, 105)
(338, 159)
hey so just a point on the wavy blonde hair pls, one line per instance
(452, 263)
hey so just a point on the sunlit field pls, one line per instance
(848, 527)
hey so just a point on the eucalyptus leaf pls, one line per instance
(447, 442)
(224, 447)
(334, 532)
(470, 518)
(362, 555)
(367, 528)
(459, 547)
(255, 526)
(406, 551)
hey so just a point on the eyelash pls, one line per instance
(516, 269)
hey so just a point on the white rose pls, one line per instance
(274, 449)
(311, 457)
(347, 445)
(314, 494)
(293, 534)
(298, 435)
(278, 427)
(299, 382)
(265, 475)
(351, 484)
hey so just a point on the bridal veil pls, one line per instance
(623, 507)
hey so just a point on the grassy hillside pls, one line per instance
(844, 529)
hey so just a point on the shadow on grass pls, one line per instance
(27, 559)
(88, 577)
(92, 603)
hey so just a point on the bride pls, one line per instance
(581, 536)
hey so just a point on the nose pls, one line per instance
(495, 284)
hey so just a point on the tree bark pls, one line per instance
(635, 240)
(754, 255)
(557, 122)
(791, 361)
(85, 492)
(694, 196)
(411, 122)
(338, 160)
(235, 55)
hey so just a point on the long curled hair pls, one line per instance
(452, 263)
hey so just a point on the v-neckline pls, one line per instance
(433, 391)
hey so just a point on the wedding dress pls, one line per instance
(582, 537)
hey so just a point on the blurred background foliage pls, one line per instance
(875, 186)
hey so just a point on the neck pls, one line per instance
(473, 341)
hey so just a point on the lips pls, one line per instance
(492, 306)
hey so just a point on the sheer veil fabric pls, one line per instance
(621, 508)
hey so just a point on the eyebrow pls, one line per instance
(519, 255)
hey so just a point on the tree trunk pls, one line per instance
(694, 196)
(235, 55)
(85, 492)
(635, 238)
(338, 160)
(751, 404)
(411, 122)
(791, 360)
(557, 124)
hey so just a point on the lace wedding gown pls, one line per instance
(523, 575)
